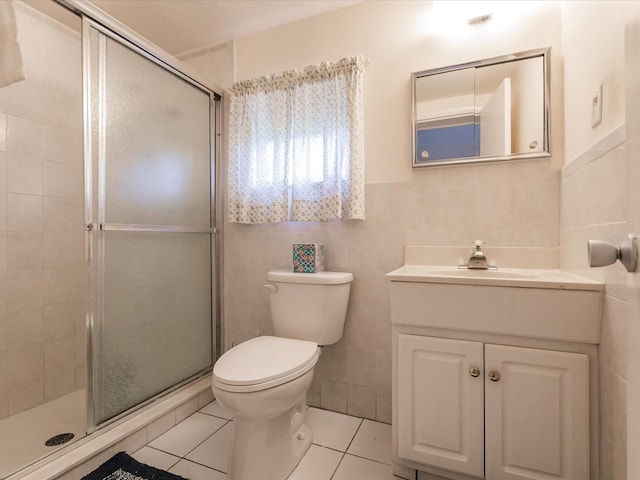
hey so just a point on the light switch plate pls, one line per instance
(596, 107)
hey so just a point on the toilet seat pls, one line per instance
(264, 362)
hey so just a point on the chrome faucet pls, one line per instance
(478, 259)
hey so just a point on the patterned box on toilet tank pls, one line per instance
(308, 257)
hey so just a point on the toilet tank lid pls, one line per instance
(321, 278)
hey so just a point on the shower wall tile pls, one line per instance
(59, 321)
(25, 327)
(59, 383)
(3, 171)
(60, 250)
(4, 388)
(27, 363)
(58, 180)
(25, 137)
(3, 258)
(24, 213)
(41, 238)
(24, 289)
(24, 251)
(3, 132)
(61, 284)
(24, 174)
(62, 215)
(4, 341)
(4, 202)
(59, 145)
(26, 396)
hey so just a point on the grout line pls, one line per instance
(337, 466)
(203, 465)
(207, 438)
(354, 435)
(162, 451)
(367, 458)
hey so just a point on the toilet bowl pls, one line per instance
(266, 392)
(264, 381)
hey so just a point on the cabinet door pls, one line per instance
(537, 414)
(440, 410)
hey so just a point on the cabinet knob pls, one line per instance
(474, 371)
(494, 376)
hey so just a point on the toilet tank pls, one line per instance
(309, 306)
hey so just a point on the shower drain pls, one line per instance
(59, 439)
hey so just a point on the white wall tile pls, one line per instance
(3, 132)
(24, 289)
(24, 213)
(59, 320)
(25, 327)
(25, 137)
(24, 251)
(591, 206)
(361, 401)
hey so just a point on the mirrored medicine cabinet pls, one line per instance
(483, 111)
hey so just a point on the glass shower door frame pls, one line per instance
(95, 228)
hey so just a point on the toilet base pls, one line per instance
(267, 449)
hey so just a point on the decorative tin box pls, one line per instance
(308, 257)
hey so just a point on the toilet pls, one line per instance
(264, 381)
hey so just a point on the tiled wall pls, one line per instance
(508, 203)
(593, 207)
(42, 344)
(514, 203)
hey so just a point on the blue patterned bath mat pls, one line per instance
(122, 467)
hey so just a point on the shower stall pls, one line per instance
(108, 240)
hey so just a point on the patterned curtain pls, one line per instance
(296, 146)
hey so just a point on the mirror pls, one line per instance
(484, 111)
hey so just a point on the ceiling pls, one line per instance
(178, 26)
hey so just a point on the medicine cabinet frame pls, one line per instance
(542, 146)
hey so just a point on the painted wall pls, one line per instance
(593, 55)
(597, 185)
(42, 332)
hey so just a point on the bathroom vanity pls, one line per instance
(494, 373)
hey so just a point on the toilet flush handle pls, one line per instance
(271, 286)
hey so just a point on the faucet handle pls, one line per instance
(477, 245)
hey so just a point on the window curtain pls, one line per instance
(296, 146)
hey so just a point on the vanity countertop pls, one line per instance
(501, 277)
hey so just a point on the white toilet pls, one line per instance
(264, 381)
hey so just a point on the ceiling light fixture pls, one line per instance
(479, 19)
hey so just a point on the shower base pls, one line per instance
(75, 459)
(23, 436)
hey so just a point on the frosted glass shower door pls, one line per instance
(149, 218)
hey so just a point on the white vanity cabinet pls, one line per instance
(493, 411)
(494, 374)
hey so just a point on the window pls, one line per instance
(296, 145)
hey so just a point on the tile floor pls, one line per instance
(344, 447)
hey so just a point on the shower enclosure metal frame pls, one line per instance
(96, 19)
